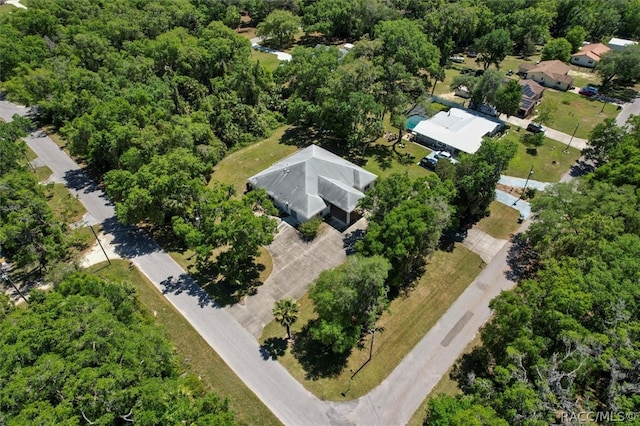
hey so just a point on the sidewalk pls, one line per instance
(509, 200)
(577, 143)
(520, 182)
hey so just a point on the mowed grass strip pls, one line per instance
(65, 206)
(576, 110)
(195, 355)
(446, 386)
(407, 321)
(502, 221)
(549, 164)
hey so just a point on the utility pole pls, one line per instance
(100, 244)
(524, 188)
(566, 151)
(5, 276)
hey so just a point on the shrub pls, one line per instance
(309, 229)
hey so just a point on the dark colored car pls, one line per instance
(588, 91)
(535, 128)
(429, 163)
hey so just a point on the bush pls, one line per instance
(309, 229)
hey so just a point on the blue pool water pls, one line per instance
(413, 121)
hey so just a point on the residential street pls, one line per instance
(391, 403)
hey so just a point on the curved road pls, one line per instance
(393, 402)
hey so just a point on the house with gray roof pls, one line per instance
(314, 182)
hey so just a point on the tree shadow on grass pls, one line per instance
(317, 360)
(382, 154)
(221, 290)
(273, 348)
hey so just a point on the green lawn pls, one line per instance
(407, 321)
(574, 109)
(64, 205)
(544, 169)
(268, 60)
(501, 223)
(194, 354)
(383, 161)
(30, 154)
(583, 76)
(7, 8)
(446, 386)
(237, 167)
(42, 173)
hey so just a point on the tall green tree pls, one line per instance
(406, 221)
(348, 301)
(558, 48)
(493, 47)
(508, 97)
(576, 36)
(279, 27)
(285, 312)
(623, 66)
(477, 176)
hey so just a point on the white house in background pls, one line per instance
(618, 44)
(456, 131)
(313, 182)
(589, 55)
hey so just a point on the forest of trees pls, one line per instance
(565, 340)
(152, 94)
(88, 353)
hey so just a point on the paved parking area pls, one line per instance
(296, 264)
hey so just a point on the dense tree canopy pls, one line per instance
(564, 341)
(88, 353)
(349, 300)
(406, 221)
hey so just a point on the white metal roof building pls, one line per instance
(456, 131)
(618, 44)
(315, 182)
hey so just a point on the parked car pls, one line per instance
(588, 91)
(429, 162)
(472, 54)
(458, 59)
(536, 128)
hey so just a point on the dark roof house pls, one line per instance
(314, 182)
(531, 94)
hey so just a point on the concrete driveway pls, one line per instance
(296, 264)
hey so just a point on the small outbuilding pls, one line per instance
(619, 44)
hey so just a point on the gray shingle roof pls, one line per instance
(312, 177)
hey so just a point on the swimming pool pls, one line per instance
(413, 121)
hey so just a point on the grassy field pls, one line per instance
(574, 109)
(30, 154)
(502, 222)
(194, 354)
(446, 386)
(407, 321)
(237, 167)
(544, 168)
(64, 205)
(268, 60)
(383, 161)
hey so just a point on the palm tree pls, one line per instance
(286, 313)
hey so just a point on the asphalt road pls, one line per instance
(393, 402)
